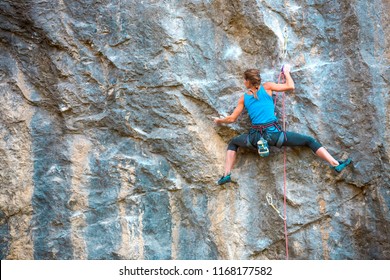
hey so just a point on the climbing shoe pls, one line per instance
(262, 147)
(342, 165)
(224, 180)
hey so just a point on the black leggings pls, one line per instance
(249, 140)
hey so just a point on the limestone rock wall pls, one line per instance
(108, 150)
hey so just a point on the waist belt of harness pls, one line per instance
(262, 127)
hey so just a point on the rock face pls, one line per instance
(108, 149)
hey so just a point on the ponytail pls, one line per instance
(254, 78)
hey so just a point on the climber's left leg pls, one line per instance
(231, 154)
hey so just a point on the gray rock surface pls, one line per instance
(108, 150)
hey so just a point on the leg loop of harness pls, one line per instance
(281, 139)
(248, 141)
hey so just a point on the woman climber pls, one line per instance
(260, 106)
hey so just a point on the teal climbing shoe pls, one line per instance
(224, 180)
(342, 165)
(262, 147)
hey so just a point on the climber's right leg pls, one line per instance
(296, 139)
(325, 155)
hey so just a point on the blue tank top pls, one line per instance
(261, 110)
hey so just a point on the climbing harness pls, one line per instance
(270, 202)
(262, 128)
(262, 144)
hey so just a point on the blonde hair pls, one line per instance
(253, 76)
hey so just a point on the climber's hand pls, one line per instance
(286, 69)
(217, 120)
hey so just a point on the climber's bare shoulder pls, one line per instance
(268, 86)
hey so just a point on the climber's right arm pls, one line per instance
(288, 85)
(236, 113)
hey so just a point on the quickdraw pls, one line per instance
(285, 41)
(270, 202)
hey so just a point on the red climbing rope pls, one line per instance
(281, 76)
